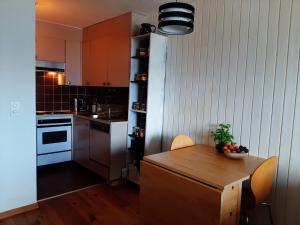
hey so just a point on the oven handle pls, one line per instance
(58, 125)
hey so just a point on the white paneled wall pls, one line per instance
(241, 66)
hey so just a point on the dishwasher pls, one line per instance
(100, 143)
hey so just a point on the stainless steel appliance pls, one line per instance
(54, 138)
(48, 66)
(80, 105)
(100, 143)
(100, 146)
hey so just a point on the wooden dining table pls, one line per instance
(193, 186)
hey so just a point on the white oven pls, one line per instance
(54, 139)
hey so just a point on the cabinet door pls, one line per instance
(95, 58)
(81, 141)
(73, 63)
(99, 60)
(51, 49)
(119, 60)
(86, 62)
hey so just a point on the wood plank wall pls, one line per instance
(241, 66)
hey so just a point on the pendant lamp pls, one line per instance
(176, 18)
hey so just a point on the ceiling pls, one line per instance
(82, 13)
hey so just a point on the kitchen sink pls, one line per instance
(107, 116)
(96, 116)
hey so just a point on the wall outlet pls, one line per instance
(15, 107)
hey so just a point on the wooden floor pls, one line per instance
(59, 178)
(98, 205)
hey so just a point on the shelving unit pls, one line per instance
(140, 57)
(151, 93)
(138, 111)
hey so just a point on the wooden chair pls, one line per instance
(181, 141)
(260, 186)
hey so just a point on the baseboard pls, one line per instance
(17, 211)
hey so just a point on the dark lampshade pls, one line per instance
(176, 18)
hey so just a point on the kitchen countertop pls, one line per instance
(84, 115)
(99, 120)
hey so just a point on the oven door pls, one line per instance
(54, 139)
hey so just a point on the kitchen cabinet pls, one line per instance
(106, 53)
(95, 60)
(50, 49)
(60, 50)
(108, 62)
(63, 44)
(73, 62)
(86, 67)
(81, 141)
(118, 61)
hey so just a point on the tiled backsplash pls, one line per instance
(53, 97)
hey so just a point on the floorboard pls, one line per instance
(97, 205)
(60, 178)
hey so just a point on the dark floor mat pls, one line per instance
(64, 177)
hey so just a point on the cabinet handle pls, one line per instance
(103, 83)
(108, 84)
(87, 83)
(69, 83)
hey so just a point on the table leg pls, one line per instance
(231, 204)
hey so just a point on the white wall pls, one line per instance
(241, 66)
(17, 83)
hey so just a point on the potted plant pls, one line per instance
(222, 136)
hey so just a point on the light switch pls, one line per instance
(15, 107)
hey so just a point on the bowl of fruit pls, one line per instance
(234, 151)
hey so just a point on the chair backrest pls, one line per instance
(262, 179)
(181, 141)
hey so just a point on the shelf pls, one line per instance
(135, 150)
(135, 137)
(138, 111)
(142, 36)
(140, 57)
(139, 82)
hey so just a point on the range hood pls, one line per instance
(49, 66)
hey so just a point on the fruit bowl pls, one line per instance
(234, 151)
(235, 155)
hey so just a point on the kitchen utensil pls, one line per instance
(94, 108)
(142, 133)
(136, 105)
(143, 77)
(147, 28)
(136, 131)
(143, 52)
(143, 107)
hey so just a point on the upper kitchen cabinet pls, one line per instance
(50, 49)
(61, 44)
(73, 62)
(106, 52)
(117, 65)
(95, 62)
